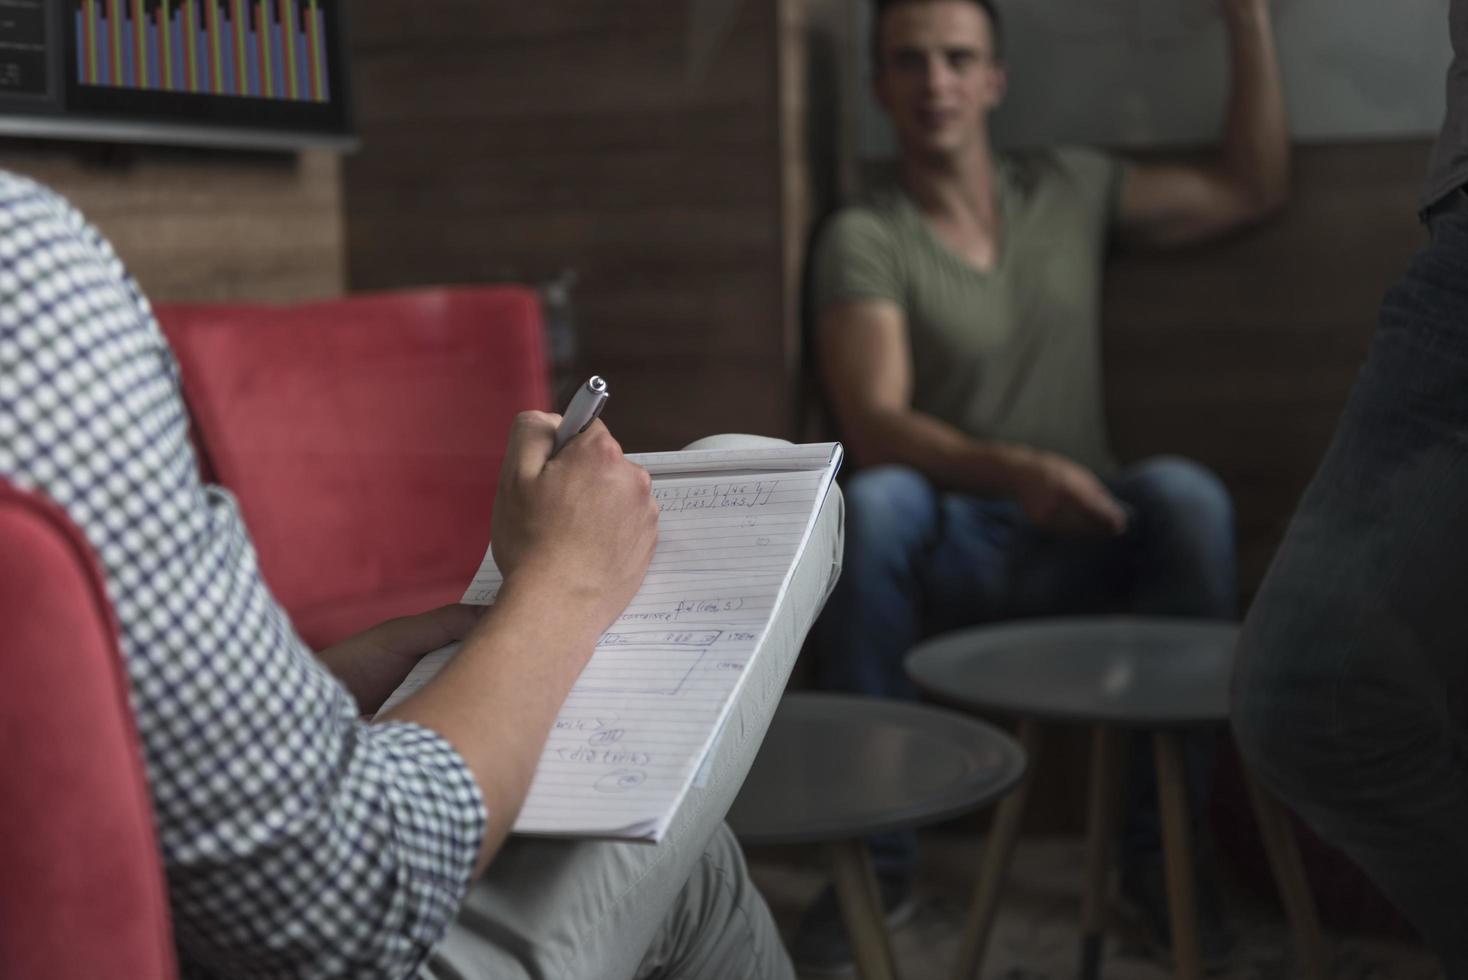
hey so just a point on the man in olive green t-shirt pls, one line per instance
(958, 342)
(1006, 352)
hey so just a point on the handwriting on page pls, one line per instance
(664, 671)
(717, 496)
(641, 717)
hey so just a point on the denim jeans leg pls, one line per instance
(916, 560)
(1184, 564)
(1184, 546)
(874, 614)
(1349, 692)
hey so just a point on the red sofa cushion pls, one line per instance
(81, 881)
(362, 438)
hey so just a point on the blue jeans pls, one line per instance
(1352, 683)
(920, 562)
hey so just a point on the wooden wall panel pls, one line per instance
(514, 142)
(204, 225)
(1241, 354)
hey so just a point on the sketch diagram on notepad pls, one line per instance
(646, 661)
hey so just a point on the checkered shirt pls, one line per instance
(298, 840)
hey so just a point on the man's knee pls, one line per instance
(1188, 493)
(888, 504)
(734, 440)
(1185, 535)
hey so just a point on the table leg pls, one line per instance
(861, 910)
(1289, 876)
(1101, 817)
(1178, 854)
(997, 854)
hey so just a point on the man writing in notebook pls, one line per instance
(958, 341)
(297, 839)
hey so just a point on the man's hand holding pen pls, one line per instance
(582, 524)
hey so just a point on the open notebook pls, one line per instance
(648, 708)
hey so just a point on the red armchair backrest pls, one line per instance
(81, 880)
(362, 438)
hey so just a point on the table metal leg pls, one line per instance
(1289, 876)
(1177, 850)
(1101, 819)
(861, 910)
(997, 854)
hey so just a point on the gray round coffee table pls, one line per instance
(1118, 674)
(838, 768)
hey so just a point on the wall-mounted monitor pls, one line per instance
(258, 73)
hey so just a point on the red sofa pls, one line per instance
(81, 886)
(362, 438)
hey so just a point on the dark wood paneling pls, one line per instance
(1241, 354)
(518, 141)
(204, 225)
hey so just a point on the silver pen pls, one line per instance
(585, 406)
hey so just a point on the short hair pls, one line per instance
(883, 6)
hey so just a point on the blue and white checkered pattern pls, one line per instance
(298, 840)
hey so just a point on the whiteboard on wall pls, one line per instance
(1154, 72)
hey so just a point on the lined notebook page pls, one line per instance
(644, 713)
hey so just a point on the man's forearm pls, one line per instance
(948, 457)
(497, 698)
(1256, 141)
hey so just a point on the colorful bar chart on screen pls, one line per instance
(263, 49)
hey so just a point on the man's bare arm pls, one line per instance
(868, 378)
(1174, 204)
(573, 536)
